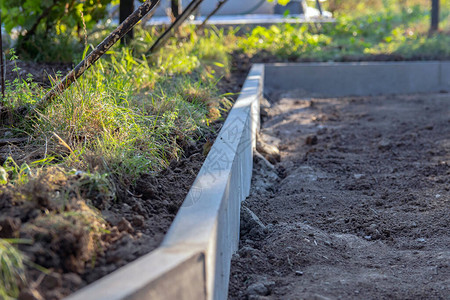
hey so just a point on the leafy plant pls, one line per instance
(47, 28)
(11, 269)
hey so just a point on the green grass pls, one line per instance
(129, 115)
(389, 31)
(12, 269)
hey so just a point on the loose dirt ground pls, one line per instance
(357, 208)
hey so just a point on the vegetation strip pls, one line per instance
(101, 49)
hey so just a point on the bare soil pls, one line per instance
(42, 73)
(89, 234)
(358, 206)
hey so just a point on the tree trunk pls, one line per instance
(126, 9)
(434, 15)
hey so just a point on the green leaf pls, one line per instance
(3, 176)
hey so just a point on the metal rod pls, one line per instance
(101, 49)
(219, 5)
(434, 15)
(176, 7)
(319, 7)
(126, 8)
(163, 38)
(2, 65)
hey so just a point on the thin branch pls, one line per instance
(163, 38)
(219, 5)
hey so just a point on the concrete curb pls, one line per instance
(359, 79)
(194, 259)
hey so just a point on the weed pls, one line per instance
(12, 269)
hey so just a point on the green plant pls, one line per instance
(13, 173)
(47, 29)
(60, 16)
(402, 32)
(12, 269)
(20, 91)
(128, 115)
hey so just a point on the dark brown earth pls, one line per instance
(358, 207)
(79, 250)
(42, 73)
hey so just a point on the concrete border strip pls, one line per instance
(359, 78)
(194, 259)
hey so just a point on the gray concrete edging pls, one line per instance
(194, 259)
(359, 78)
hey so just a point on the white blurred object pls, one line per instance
(232, 7)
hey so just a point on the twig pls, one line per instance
(163, 38)
(219, 5)
(101, 49)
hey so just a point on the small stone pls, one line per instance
(384, 144)
(270, 152)
(321, 130)
(71, 280)
(358, 176)
(319, 297)
(124, 225)
(9, 227)
(138, 221)
(246, 251)
(311, 140)
(258, 288)
(298, 273)
(51, 281)
(137, 207)
(368, 237)
(421, 240)
(53, 295)
(250, 222)
(264, 102)
(30, 294)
